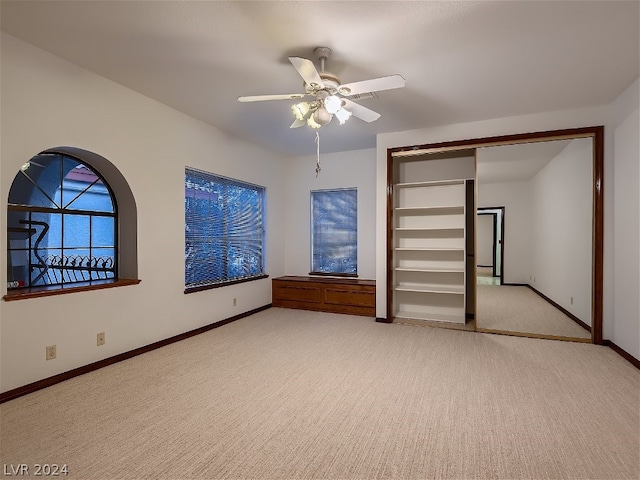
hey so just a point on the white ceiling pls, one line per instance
(516, 163)
(462, 61)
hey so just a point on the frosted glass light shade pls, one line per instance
(343, 115)
(300, 110)
(321, 116)
(332, 104)
(312, 123)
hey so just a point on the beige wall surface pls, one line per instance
(562, 226)
(338, 170)
(48, 102)
(625, 120)
(614, 324)
(516, 198)
(484, 240)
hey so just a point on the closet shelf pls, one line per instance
(429, 241)
(426, 229)
(432, 209)
(429, 184)
(430, 269)
(429, 249)
(435, 317)
(428, 288)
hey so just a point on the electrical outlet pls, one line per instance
(100, 338)
(235, 302)
(51, 352)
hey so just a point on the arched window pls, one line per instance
(61, 224)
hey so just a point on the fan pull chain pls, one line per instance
(318, 168)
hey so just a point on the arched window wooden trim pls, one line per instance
(126, 228)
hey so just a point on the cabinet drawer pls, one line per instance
(299, 293)
(342, 296)
(336, 295)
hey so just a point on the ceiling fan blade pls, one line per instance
(363, 113)
(262, 98)
(373, 85)
(298, 123)
(307, 71)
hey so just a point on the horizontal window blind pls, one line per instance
(334, 231)
(224, 230)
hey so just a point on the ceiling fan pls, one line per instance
(329, 95)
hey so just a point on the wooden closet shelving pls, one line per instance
(429, 250)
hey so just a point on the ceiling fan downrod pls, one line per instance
(322, 54)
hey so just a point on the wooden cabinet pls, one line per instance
(336, 295)
(429, 280)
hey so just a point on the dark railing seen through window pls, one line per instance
(61, 224)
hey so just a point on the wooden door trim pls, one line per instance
(494, 238)
(594, 132)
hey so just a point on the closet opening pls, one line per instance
(432, 239)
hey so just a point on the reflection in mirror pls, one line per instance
(489, 233)
(534, 238)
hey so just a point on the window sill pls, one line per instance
(50, 290)
(328, 274)
(223, 284)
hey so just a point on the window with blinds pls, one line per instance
(224, 231)
(334, 232)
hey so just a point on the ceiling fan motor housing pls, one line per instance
(331, 83)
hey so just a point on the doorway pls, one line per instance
(490, 245)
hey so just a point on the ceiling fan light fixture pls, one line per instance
(321, 116)
(329, 94)
(343, 115)
(332, 104)
(312, 123)
(300, 110)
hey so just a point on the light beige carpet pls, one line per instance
(290, 394)
(519, 309)
(484, 271)
(484, 276)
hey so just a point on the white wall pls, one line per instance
(47, 102)
(515, 197)
(505, 126)
(484, 240)
(626, 125)
(562, 229)
(339, 170)
(422, 168)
